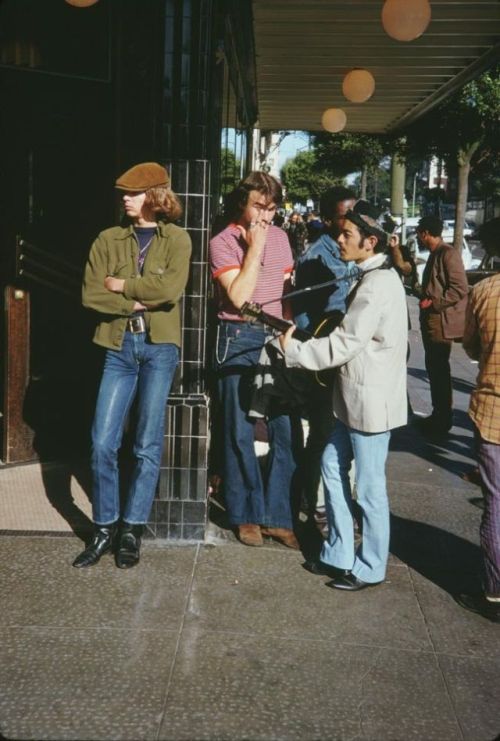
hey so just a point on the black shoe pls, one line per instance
(323, 569)
(350, 583)
(479, 604)
(101, 544)
(129, 546)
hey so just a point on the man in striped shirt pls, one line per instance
(251, 260)
(482, 342)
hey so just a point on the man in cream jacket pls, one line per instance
(369, 400)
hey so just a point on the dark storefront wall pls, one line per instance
(115, 87)
(58, 161)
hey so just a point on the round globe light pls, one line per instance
(333, 120)
(406, 20)
(81, 3)
(358, 85)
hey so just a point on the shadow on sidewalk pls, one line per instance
(454, 452)
(459, 384)
(57, 482)
(449, 561)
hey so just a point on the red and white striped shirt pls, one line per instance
(227, 252)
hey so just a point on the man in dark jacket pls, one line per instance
(134, 279)
(442, 317)
(321, 263)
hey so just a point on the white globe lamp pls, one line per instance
(358, 85)
(81, 3)
(333, 120)
(406, 20)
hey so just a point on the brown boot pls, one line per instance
(250, 534)
(282, 535)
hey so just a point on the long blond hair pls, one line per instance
(164, 202)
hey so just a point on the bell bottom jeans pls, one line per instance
(250, 497)
(144, 370)
(369, 450)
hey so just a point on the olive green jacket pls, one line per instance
(160, 287)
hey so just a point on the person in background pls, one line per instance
(404, 264)
(134, 279)
(297, 234)
(314, 226)
(279, 219)
(251, 260)
(442, 315)
(319, 264)
(481, 342)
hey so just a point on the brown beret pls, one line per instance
(141, 177)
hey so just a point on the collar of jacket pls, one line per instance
(128, 231)
(327, 242)
(373, 262)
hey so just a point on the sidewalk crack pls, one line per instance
(177, 644)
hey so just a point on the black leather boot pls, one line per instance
(101, 544)
(129, 546)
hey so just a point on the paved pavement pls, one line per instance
(220, 641)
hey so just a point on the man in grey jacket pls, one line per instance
(369, 399)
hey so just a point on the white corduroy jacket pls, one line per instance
(369, 349)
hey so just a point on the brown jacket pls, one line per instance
(447, 286)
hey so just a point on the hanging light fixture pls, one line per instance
(358, 85)
(82, 3)
(406, 20)
(333, 120)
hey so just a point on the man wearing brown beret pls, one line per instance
(134, 279)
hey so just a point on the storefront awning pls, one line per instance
(305, 48)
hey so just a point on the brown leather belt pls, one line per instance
(136, 324)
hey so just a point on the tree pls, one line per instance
(375, 184)
(303, 178)
(343, 154)
(465, 132)
(230, 170)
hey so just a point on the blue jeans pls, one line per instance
(250, 498)
(145, 370)
(369, 450)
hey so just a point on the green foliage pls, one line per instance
(466, 125)
(304, 177)
(343, 154)
(230, 170)
(378, 184)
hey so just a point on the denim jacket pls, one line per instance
(320, 263)
(161, 284)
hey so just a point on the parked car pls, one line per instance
(420, 254)
(449, 225)
(489, 265)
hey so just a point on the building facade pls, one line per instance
(89, 89)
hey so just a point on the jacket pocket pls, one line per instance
(155, 269)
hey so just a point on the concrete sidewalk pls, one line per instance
(220, 641)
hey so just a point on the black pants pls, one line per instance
(437, 363)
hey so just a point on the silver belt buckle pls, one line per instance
(136, 324)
